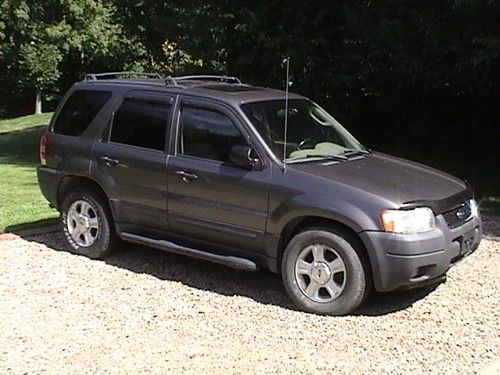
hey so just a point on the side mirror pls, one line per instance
(245, 157)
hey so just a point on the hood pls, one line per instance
(403, 182)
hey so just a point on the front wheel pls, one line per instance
(323, 273)
(87, 224)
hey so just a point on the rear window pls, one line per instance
(141, 123)
(79, 111)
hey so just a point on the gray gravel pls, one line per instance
(147, 311)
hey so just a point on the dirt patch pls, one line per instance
(8, 237)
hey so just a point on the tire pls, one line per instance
(86, 210)
(334, 283)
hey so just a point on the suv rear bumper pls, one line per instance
(408, 260)
(48, 180)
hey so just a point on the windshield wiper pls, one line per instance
(352, 152)
(323, 156)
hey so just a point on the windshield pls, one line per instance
(311, 133)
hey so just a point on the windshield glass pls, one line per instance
(311, 133)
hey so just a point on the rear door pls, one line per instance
(130, 161)
(210, 199)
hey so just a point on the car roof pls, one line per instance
(234, 93)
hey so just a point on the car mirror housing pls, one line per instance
(245, 157)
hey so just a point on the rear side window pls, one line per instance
(208, 134)
(79, 111)
(141, 123)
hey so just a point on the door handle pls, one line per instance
(186, 177)
(109, 161)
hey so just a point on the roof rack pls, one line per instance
(174, 81)
(208, 78)
(171, 81)
(97, 76)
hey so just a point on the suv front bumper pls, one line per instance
(409, 260)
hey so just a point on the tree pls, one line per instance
(38, 37)
(162, 28)
(39, 68)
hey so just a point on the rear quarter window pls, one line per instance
(141, 123)
(79, 111)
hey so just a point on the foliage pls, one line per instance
(38, 65)
(54, 41)
(172, 60)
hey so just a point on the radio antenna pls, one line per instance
(287, 84)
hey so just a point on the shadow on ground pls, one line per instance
(262, 286)
(33, 227)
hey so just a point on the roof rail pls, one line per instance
(97, 76)
(171, 81)
(174, 81)
(208, 78)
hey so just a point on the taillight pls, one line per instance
(43, 150)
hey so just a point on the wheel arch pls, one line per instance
(302, 223)
(71, 182)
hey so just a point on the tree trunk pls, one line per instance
(38, 101)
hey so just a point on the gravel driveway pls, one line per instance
(147, 311)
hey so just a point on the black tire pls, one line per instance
(106, 239)
(357, 283)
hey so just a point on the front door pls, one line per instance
(130, 161)
(210, 199)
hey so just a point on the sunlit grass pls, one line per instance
(21, 201)
(19, 123)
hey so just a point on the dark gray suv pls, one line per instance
(201, 166)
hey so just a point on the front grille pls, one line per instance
(457, 216)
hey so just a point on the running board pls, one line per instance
(231, 261)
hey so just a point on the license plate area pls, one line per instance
(467, 242)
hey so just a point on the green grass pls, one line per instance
(21, 201)
(490, 205)
(21, 123)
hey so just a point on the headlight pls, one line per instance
(474, 208)
(417, 220)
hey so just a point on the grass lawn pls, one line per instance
(21, 123)
(21, 201)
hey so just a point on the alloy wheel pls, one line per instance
(320, 273)
(83, 223)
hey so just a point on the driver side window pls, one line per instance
(207, 134)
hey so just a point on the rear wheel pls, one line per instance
(323, 273)
(87, 223)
